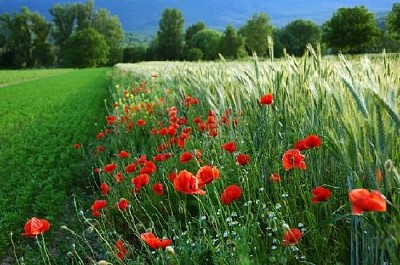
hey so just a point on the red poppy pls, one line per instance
(123, 204)
(104, 188)
(100, 149)
(77, 146)
(362, 200)
(149, 167)
(158, 188)
(121, 250)
(197, 120)
(186, 183)
(111, 119)
(123, 154)
(230, 147)
(139, 181)
(154, 242)
(130, 168)
(266, 99)
(97, 206)
(185, 157)
(231, 193)
(320, 194)
(292, 236)
(293, 158)
(100, 135)
(141, 122)
(35, 226)
(275, 177)
(206, 175)
(162, 157)
(118, 177)
(310, 141)
(242, 159)
(109, 168)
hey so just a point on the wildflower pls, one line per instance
(206, 175)
(231, 193)
(266, 99)
(141, 122)
(149, 167)
(320, 194)
(242, 159)
(35, 226)
(123, 204)
(100, 149)
(111, 119)
(310, 141)
(378, 176)
(118, 177)
(186, 183)
(77, 146)
(100, 135)
(123, 154)
(362, 200)
(130, 168)
(275, 177)
(109, 168)
(121, 250)
(154, 242)
(97, 206)
(161, 157)
(158, 188)
(230, 147)
(291, 236)
(104, 188)
(185, 157)
(139, 181)
(293, 158)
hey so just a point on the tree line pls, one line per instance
(81, 36)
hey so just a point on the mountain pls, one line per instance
(142, 16)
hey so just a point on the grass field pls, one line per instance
(291, 161)
(40, 122)
(9, 77)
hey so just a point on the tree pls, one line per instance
(393, 20)
(189, 33)
(256, 32)
(297, 34)
(207, 40)
(351, 30)
(134, 54)
(231, 44)
(86, 48)
(111, 29)
(170, 35)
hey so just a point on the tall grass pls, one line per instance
(352, 105)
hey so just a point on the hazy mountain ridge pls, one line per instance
(142, 16)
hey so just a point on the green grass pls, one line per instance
(9, 77)
(40, 122)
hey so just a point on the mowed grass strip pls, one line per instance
(40, 122)
(9, 77)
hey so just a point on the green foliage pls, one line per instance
(393, 20)
(231, 44)
(256, 32)
(170, 35)
(134, 54)
(207, 40)
(297, 34)
(92, 51)
(194, 54)
(351, 30)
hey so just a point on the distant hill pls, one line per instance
(142, 16)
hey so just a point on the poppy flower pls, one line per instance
(100, 135)
(130, 168)
(123, 204)
(158, 188)
(230, 147)
(109, 168)
(242, 159)
(149, 167)
(139, 181)
(35, 226)
(320, 194)
(77, 146)
(206, 175)
(266, 99)
(275, 177)
(123, 154)
(100, 149)
(231, 193)
(161, 157)
(141, 122)
(172, 176)
(97, 206)
(197, 120)
(185, 157)
(121, 250)
(111, 119)
(292, 236)
(118, 177)
(154, 242)
(310, 141)
(104, 188)
(293, 158)
(186, 183)
(362, 200)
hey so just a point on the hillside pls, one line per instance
(142, 16)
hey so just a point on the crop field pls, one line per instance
(41, 120)
(262, 162)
